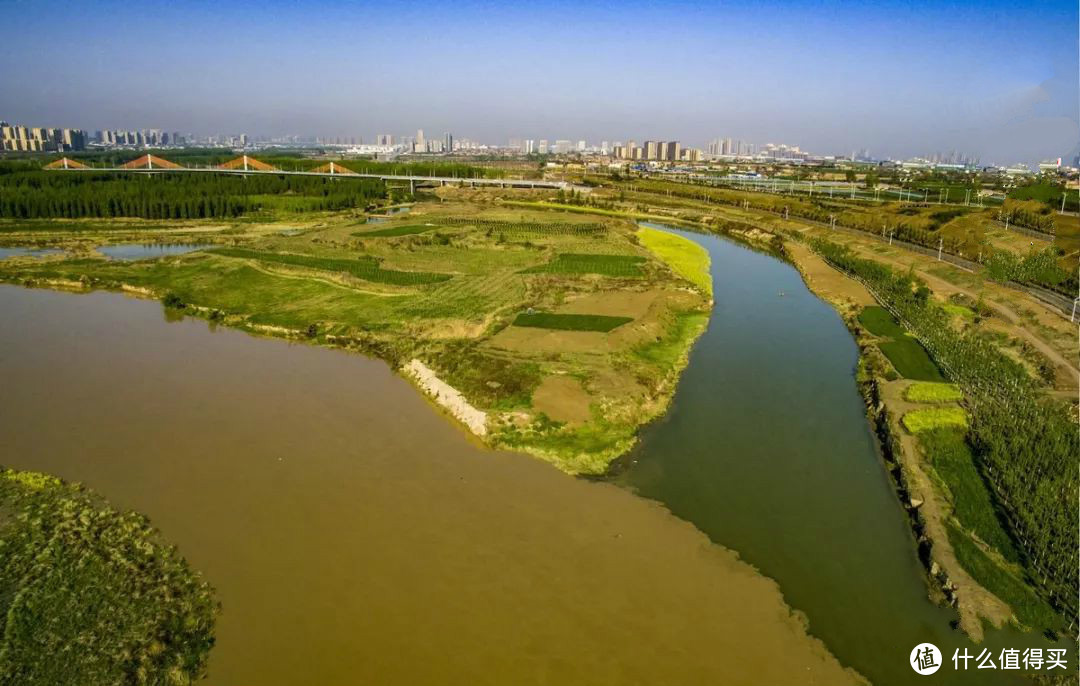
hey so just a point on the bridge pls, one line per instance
(247, 165)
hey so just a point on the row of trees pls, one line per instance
(43, 194)
(1026, 443)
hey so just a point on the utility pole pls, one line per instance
(940, 245)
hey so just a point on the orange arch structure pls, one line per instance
(65, 163)
(333, 168)
(150, 162)
(245, 162)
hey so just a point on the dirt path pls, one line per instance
(1069, 368)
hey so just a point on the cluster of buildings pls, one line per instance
(19, 138)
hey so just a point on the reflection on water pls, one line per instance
(18, 251)
(139, 251)
(354, 534)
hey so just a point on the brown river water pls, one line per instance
(356, 536)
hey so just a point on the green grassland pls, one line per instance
(570, 322)
(910, 359)
(91, 595)
(931, 418)
(973, 507)
(1031, 610)
(394, 231)
(606, 265)
(879, 322)
(450, 297)
(928, 392)
(685, 257)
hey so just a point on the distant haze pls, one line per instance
(990, 79)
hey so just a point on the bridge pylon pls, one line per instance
(247, 163)
(65, 163)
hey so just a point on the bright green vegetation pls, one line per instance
(90, 595)
(879, 322)
(406, 230)
(951, 458)
(1025, 443)
(927, 392)
(930, 418)
(959, 311)
(685, 257)
(607, 265)
(570, 322)
(364, 267)
(1031, 610)
(910, 359)
(448, 297)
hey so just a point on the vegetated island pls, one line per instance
(91, 595)
(547, 333)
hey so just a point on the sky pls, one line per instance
(991, 79)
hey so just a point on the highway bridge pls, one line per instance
(247, 165)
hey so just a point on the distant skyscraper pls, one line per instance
(419, 145)
(543, 146)
(448, 142)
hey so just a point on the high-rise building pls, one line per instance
(528, 146)
(651, 150)
(448, 142)
(673, 149)
(419, 145)
(384, 139)
(543, 146)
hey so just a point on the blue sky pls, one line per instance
(994, 79)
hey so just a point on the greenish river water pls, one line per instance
(767, 450)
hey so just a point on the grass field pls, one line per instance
(685, 257)
(1030, 609)
(973, 507)
(364, 267)
(878, 321)
(448, 297)
(407, 230)
(931, 418)
(606, 265)
(910, 359)
(91, 595)
(570, 322)
(928, 392)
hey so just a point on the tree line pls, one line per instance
(1026, 443)
(50, 194)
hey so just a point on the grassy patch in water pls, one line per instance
(571, 322)
(90, 595)
(910, 359)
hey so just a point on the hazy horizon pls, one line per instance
(901, 79)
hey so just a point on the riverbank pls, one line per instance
(336, 514)
(566, 335)
(915, 479)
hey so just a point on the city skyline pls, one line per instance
(900, 79)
